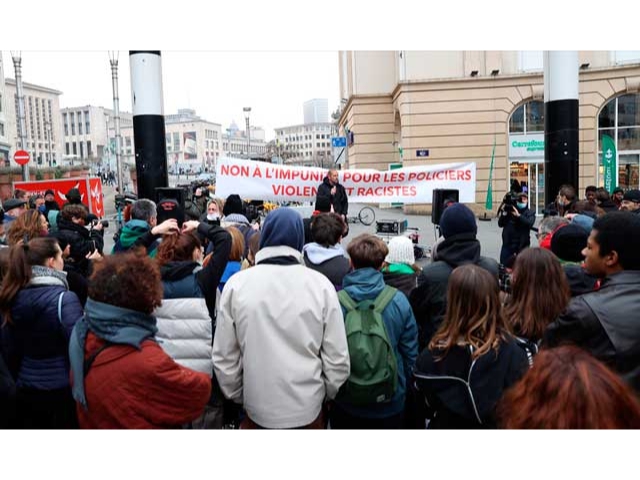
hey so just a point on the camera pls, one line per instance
(122, 201)
(105, 223)
(510, 199)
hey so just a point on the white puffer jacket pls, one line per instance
(185, 332)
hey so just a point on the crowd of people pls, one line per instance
(218, 322)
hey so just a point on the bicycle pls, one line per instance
(366, 216)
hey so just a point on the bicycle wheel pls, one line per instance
(366, 216)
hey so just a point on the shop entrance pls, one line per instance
(530, 176)
(628, 169)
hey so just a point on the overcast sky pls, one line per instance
(216, 84)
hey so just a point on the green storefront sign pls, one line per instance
(530, 146)
(609, 162)
(526, 146)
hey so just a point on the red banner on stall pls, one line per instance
(90, 191)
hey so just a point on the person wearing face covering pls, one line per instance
(280, 347)
(516, 222)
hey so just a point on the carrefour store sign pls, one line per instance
(526, 146)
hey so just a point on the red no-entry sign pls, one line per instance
(21, 157)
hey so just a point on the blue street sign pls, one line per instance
(337, 142)
(422, 153)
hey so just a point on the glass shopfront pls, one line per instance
(526, 152)
(620, 120)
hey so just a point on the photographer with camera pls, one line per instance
(516, 220)
(85, 243)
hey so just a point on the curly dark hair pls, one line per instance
(129, 280)
(74, 210)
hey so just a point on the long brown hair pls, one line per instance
(539, 292)
(473, 315)
(177, 248)
(28, 223)
(568, 388)
(22, 257)
(237, 244)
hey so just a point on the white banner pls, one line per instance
(265, 181)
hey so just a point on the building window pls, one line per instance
(620, 120)
(0, 102)
(1, 129)
(66, 125)
(75, 148)
(72, 121)
(81, 150)
(79, 126)
(528, 118)
(531, 60)
(66, 148)
(626, 56)
(176, 141)
(89, 148)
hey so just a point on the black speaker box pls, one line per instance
(441, 198)
(170, 203)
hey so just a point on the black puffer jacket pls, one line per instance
(605, 323)
(429, 299)
(340, 201)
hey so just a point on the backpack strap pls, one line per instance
(346, 301)
(60, 307)
(383, 299)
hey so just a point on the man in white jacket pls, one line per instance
(280, 347)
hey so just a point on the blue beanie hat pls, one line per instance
(458, 219)
(283, 227)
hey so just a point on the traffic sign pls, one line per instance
(338, 142)
(422, 153)
(21, 157)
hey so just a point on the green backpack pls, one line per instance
(374, 371)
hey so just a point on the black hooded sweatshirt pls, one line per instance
(429, 299)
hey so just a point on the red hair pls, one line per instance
(568, 388)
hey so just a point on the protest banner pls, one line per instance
(266, 181)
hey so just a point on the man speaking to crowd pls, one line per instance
(336, 192)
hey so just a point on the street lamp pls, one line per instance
(247, 112)
(47, 126)
(22, 127)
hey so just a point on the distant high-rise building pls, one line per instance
(316, 111)
(42, 122)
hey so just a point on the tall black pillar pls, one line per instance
(148, 122)
(560, 122)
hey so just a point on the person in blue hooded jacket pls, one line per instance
(366, 282)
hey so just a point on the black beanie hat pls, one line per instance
(73, 196)
(568, 241)
(323, 204)
(457, 219)
(233, 204)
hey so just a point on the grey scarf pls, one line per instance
(41, 276)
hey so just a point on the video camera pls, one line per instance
(127, 199)
(95, 221)
(510, 199)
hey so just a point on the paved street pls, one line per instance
(488, 232)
